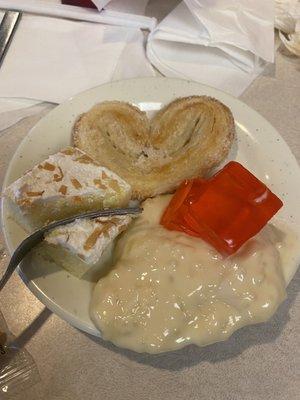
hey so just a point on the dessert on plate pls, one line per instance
(84, 246)
(197, 264)
(65, 184)
(185, 139)
(168, 289)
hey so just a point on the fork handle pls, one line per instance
(8, 26)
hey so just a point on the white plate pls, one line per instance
(259, 147)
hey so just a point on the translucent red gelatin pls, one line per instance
(225, 210)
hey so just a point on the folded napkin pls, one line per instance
(127, 6)
(287, 20)
(287, 14)
(54, 8)
(100, 4)
(52, 59)
(224, 43)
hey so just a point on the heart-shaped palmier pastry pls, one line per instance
(187, 138)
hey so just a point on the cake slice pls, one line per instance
(84, 246)
(65, 184)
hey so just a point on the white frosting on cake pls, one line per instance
(88, 238)
(70, 172)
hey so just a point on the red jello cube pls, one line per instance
(225, 211)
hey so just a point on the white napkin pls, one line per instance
(54, 8)
(127, 6)
(224, 43)
(287, 13)
(52, 59)
(100, 4)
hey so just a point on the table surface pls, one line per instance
(257, 362)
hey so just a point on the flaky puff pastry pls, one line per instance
(185, 139)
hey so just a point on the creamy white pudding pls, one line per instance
(168, 289)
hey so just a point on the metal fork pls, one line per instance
(8, 27)
(31, 241)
